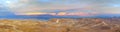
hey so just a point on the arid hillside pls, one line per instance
(61, 25)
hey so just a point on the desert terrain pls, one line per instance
(61, 25)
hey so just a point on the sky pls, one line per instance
(59, 7)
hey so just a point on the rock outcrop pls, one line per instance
(60, 25)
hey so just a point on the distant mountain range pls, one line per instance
(46, 16)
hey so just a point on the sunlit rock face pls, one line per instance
(59, 25)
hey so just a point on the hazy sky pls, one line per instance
(62, 7)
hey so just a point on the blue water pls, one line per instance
(43, 17)
(47, 17)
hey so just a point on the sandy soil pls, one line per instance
(61, 25)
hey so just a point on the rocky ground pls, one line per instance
(61, 25)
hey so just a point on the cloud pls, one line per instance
(67, 6)
(37, 5)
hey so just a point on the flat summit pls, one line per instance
(61, 25)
